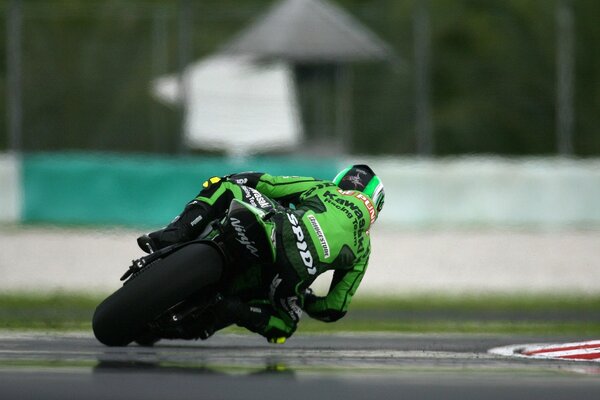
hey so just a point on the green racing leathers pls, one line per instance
(319, 228)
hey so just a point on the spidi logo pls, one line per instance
(243, 238)
(305, 255)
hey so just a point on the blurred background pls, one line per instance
(425, 77)
(480, 116)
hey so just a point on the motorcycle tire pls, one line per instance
(124, 316)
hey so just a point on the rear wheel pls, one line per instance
(124, 316)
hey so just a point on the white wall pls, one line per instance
(449, 193)
(481, 192)
(10, 188)
(401, 263)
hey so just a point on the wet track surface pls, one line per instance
(59, 366)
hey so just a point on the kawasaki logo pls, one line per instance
(305, 255)
(242, 238)
(255, 198)
(342, 204)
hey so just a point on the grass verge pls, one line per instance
(547, 315)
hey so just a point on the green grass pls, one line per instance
(484, 302)
(56, 311)
(548, 315)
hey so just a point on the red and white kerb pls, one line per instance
(581, 351)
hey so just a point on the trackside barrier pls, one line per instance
(490, 192)
(149, 190)
(135, 190)
(10, 188)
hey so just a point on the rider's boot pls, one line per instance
(231, 310)
(215, 318)
(186, 226)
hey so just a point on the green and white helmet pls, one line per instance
(362, 178)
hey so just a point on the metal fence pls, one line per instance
(504, 77)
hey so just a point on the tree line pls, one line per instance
(86, 68)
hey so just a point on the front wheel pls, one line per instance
(124, 316)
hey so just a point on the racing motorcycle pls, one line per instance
(171, 293)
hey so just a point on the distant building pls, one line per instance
(243, 100)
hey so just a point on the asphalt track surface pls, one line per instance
(340, 366)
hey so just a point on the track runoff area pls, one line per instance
(316, 366)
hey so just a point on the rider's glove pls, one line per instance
(309, 297)
(277, 340)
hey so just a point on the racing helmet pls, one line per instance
(361, 177)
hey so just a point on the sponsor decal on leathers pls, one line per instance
(369, 206)
(352, 211)
(255, 198)
(289, 304)
(242, 238)
(305, 255)
(322, 239)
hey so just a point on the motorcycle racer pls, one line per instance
(321, 225)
